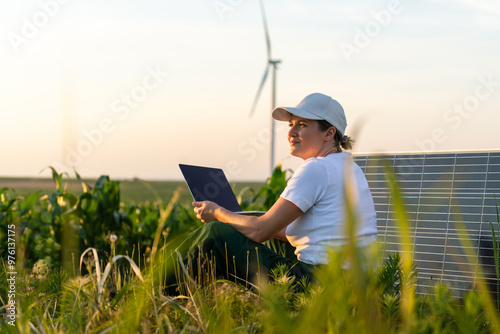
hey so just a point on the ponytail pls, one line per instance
(347, 142)
(341, 142)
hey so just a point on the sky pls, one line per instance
(133, 88)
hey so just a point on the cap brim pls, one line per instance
(283, 114)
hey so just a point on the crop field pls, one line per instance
(91, 256)
(131, 190)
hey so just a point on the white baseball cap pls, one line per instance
(315, 106)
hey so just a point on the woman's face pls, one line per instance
(305, 139)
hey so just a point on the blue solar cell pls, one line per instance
(492, 201)
(470, 176)
(470, 209)
(456, 268)
(494, 169)
(493, 182)
(494, 159)
(474, 168)
(411, 200)
(438, 169)
(409, 184)
(472, 160)
(448, 176)
(440, 161)
(429, 241)
(465, 217)
(409, 161)
(467, 199)
(434, 208)
(425, 198)
(431, 224)
(476, 186)
(490, 217)
(406, 169)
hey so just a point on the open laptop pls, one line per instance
(210, 184)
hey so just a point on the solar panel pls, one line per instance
(445, 194)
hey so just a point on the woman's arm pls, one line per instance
(258, 229)
(281, 235)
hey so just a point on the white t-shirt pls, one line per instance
(317, 189)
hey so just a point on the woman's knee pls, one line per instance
(218, 229)
(211, 233)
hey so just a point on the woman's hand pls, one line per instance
(205, 211)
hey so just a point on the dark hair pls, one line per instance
(346, 145)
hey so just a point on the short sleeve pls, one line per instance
(307, 185)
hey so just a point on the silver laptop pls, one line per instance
(210, 184)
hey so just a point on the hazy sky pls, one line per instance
(133, 88)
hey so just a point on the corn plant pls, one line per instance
(268, 194)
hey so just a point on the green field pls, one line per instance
(131, 190)
(96, 261)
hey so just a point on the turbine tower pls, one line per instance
(274, 64)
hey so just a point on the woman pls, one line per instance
(309, 213)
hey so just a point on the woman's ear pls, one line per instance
(330, 133)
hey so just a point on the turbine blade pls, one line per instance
(259, 91)
(266, 31)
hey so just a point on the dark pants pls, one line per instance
(217, 250)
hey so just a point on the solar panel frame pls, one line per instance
(446, 195)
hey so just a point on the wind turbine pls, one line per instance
(270, 63)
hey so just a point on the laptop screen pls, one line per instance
(210, 184)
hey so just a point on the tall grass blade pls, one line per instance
(163, 219)
(482, 287)
(408, 289)
(107, 270)
(57, 178)
(355, 261)
(96, 262)
(496, 251)
(85, 186)
(495, 258)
